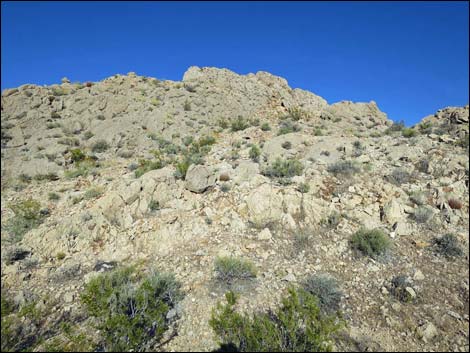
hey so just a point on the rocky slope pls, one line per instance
(134, 170)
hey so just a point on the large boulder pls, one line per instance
(264, 205)
(199, 178)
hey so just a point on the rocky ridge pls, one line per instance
(229, 202)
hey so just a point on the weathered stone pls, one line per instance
(199, 178)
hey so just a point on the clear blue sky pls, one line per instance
(410, 57)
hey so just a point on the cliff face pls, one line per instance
(169, 175)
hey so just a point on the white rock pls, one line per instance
(265, 234)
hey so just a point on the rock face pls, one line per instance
(199, 178)
(133, 170)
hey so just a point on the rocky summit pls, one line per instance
(226, 183)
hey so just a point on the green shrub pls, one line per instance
(187, 140)
(69, 141)
(318, 132)
(223, 123)
(53, 196)
(407, 132)
(27, 215)
(296, 326)
(255, 152)
(100, 146)
(448, 245)
(154, 205)
(395, 127)
(265, 127)
(48, 176)
(423, 165)
(371, 242)
(284, 168)
(88, 135)
(295, 113)
(24, 178)
(131, 311)
(239, 124)
(146, 165)
(93, 193)
(77, 155)
(326, 289)
(344, 168)
(303, 188)
(83, 168)
(418, 198)
(229, 269)
(332, 220)
(302, 239)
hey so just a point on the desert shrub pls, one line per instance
(146, 165)
(101, 117)
(100, 146)
(87, 135)
(53, 196)
(48, 176)
(58, 91)
(27, 215)
(131, 310)
(295, 114)
(287, 126)
(332, 220)
(302, 239)
(77, 155)
(83, 168)
(225, 187)
(265, 127)
(187, 106)
(69, 141)
(303, 188)
(463, 141)
(344, 168)
(418, 198)
(93, 193)
(326, 289)
(255, 152)
(371, 242)
(401, 289)
(423, 165)
(318, 132)
(286, 145)
(239, 124)
(223, 123)
(284, 168)
(395, 127)
(399, 176)
(422, 214)
(229, 269)
(52, 125)
(154, 205)
(448, 246)
(454, 203)
(408, 132)
(187, 140)
(24, 178)
(425, 128)
(296, 326)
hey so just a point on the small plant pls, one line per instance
(100, 146)
(255, 152)
(287, 145)
(303, 188)
(418, 198)
(344, 168)
(422, 214)
(332, 220)
(60, 255)
(229, 269)
(371, 242)
(318, 132)
(77, 155)
(295, 113)
(87, 135)
(101, 117)
(296, 326)
(265, 127)
(423, 165)
(399, 176)
(395, 127)
(223, 123)
(407, 132)
(131, 309)
(154, 205)
(27, 216)
(93, 193)
(225, 187)
(53, 196)
(146, 165)
(448, 245)
(48, 176)
(326, 289)
(287, 126)
(284, 168)
(24, 178)
(302, 239)
(187, 106)
(454, 203)
(401, 289)
(239, 124)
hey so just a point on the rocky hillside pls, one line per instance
(175, 177)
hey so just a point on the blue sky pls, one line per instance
(410, 57)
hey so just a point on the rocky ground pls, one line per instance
(115, 207)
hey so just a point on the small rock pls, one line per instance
(68, 297)
(411, 292)
(427, 332)
(265, 234)
(289, 278)
(384, 291)
(418, 276)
